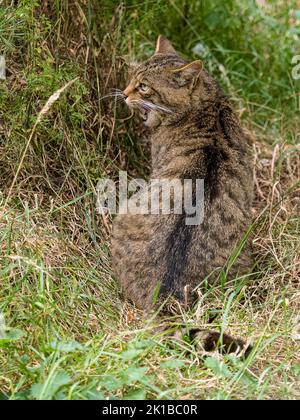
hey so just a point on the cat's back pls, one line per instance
(164, 249)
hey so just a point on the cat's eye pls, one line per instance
(142, 87)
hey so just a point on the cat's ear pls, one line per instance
(189, 72)
(164, 46)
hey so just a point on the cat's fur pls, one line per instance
(200, 138)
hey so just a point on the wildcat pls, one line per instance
(195, 134)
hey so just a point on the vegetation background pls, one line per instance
(65, 332)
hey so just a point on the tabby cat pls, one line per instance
(195, 134)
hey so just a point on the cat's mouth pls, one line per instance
(149, 111)
(145, 111)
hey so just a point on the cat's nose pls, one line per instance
(126, 97)
(127, 91)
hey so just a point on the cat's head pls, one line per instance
(166, 85)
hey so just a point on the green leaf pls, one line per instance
(22, 395)
(296, 369)
(133, 374)
(60, 396)
(11, 335)
(130, 354)
(36, 390)
(66, 346)
(111, 383)
(3, 396)
(149, 379)
(172, 364)
(138, 394)
(219, 368)
(94, 395)
(48, 389)
(144, 344)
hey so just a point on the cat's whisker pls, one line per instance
(117, 92)
(154, 107)
(113, 95)
(151, 106)
(163, 109)
(118, 97)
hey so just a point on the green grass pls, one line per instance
(68, 333)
